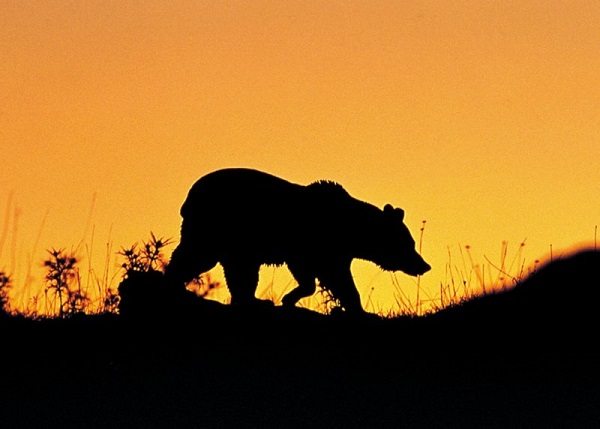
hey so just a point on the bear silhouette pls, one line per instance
(244, 218)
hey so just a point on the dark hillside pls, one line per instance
(565, 291)
(526, 357)
(557, 306)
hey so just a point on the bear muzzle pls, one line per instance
(417, 266)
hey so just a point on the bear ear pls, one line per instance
(388, 209)
(400, 213)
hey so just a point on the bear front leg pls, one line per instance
(306, 285)
(338, 279)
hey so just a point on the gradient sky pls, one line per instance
(482, 118)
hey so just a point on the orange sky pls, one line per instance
(482, 118)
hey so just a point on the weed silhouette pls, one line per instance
(149, 257)
(5, 285)
(60, 275)
(317, 230)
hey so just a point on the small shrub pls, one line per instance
(61, 273)
(142, 294)
(142, 290)
(148, 257)
(77, 302)
(5, 285)
(203, 285)
(110, 303)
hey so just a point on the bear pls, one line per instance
(243, 218)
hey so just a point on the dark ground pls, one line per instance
(524, 358)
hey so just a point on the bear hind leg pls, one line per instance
(186, 264)
(306, 285)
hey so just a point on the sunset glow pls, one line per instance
(480, 118)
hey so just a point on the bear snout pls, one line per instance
(417, 267)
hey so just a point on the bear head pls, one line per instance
(395, 247)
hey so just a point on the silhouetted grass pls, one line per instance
(465, 278)
(62, 284)
(5, 285)
(148, 257)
